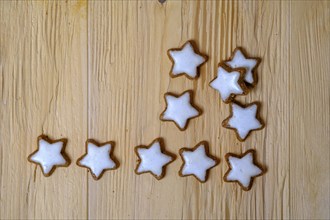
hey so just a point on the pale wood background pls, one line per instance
(99, 69)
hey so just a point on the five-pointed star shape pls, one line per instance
(229, 83)
(243, 119)
(153, 159)
(50, 154)
(197, 161)
(239, 59)
(179, 109)
(98, 158)
(242, 169)
(185, 60)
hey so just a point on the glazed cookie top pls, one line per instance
(98, 158)
(153, 159)
(186, 60)
(229, 83)
(244, 119)
(242, 169)
(239, 59)
(50, 154)
(179, 109)
(197, 161)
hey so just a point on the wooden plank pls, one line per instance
(43, 67)
(113, 80)
(263, 29)
(309, 124)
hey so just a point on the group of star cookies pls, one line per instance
(235, 76)
(153, 159)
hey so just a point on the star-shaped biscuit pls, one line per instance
(98, 158)
(186, 60)
(153, 159)
(243, 119)
(180, 109)
(239, 59)
(243, 169)
(50, 154)
(229, 83)
(197, 161)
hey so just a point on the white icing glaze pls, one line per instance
(239, 60)
(242, 169)
(48, 155)
(152, 159)
(186, 61)
(197, 163)
(179, 109)
(98, 158)
(226, 83)
(244, 119)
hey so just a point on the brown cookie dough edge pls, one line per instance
(240, 81)
(254, 72)
(51, 141)
(262, 168)
(162, 149)
(206, 147)
(98, 144)
(226, 125)
(191, 94)
(195, 48)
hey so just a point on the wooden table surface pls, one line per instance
(99, 69)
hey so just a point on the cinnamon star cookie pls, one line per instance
(197, 161)
(186, 60)
(50, 154)
(98, 158)
(239, 59)
(180, 109)
(229, 83)
(153, 159)
(243, 119)
(243, 169)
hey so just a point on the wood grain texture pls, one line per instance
(43, 67)
(99, 69)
